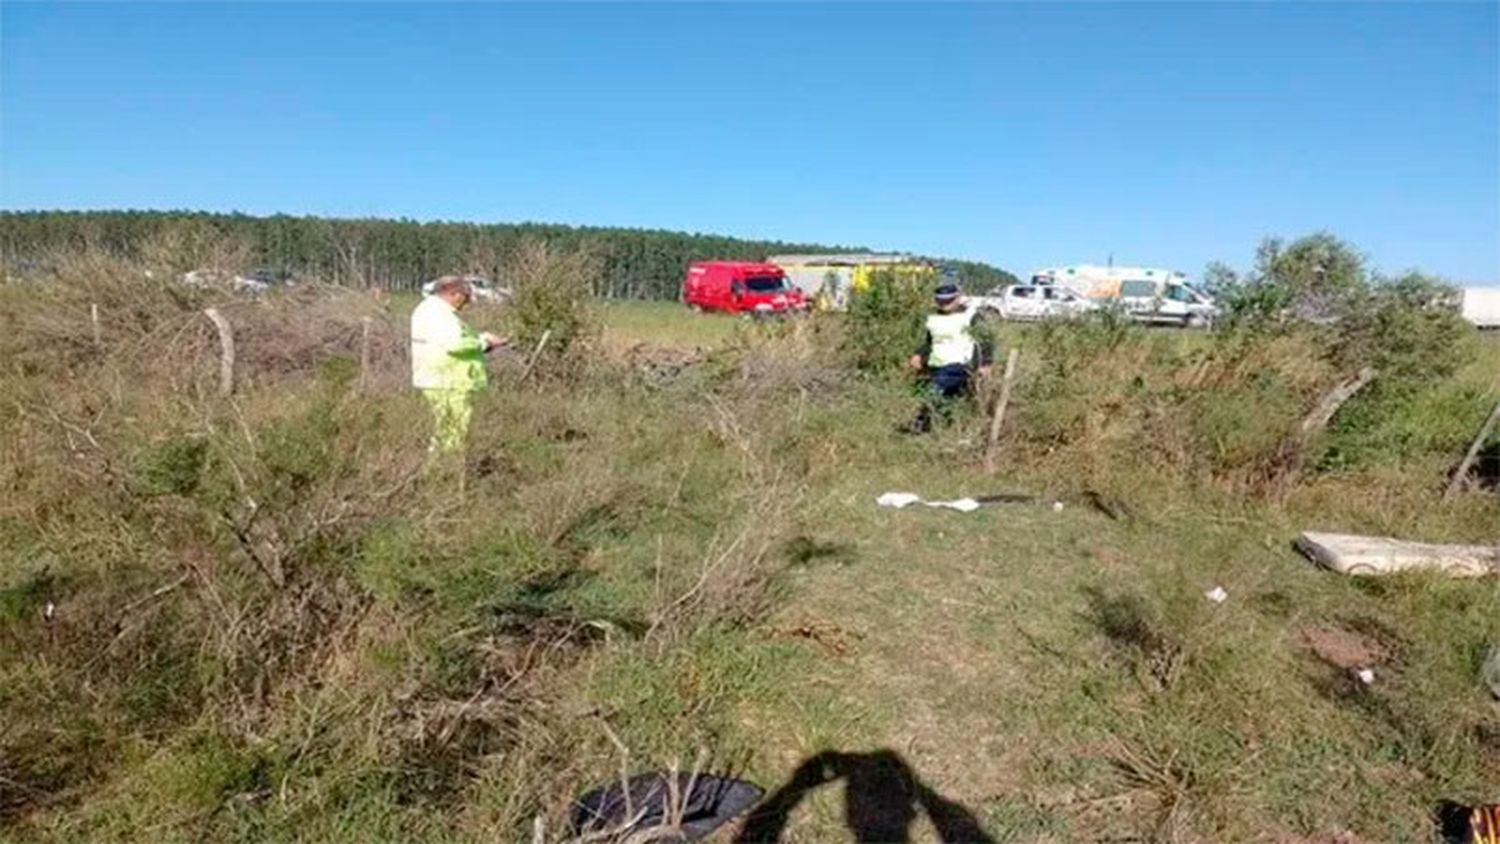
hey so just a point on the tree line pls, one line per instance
(401, 254)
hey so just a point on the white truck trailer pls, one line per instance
(1481, 306)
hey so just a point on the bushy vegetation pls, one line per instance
(258, 618)
(552, 301)
(391, 254)
(883, 324)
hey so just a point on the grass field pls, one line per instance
(689, 560)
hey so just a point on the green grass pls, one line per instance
(695, 564)
(667, 324)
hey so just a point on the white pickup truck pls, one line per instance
(1033, 302)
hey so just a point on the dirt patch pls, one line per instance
(835, 639)
(1341, 647)
(658, 365)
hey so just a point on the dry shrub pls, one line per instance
(301, 330)
(195, 245)
(786, 356)
(48, 324)
(150, 326)
(1113, 399)
(735, 584)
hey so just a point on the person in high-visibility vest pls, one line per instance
(447, 361)
(950, 354)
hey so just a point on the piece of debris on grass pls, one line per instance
(897, 499)
(662, 806)
(1217, 595)
(1005, 498)
(834, 638)
(1380, 555)
(901, 500)
(1111, 506)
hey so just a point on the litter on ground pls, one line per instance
(1217, 595)
(900, 500)
(662, 806)
(1376, 555)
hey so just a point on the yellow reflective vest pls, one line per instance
(951, 341)
(445, 353)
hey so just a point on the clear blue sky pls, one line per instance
(1024, 135)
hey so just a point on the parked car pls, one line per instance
(740, 287)
(1035, 301)
(1167, 303)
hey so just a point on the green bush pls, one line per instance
(552, 297)
(173, 467)
(884, 322)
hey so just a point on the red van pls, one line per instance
(740, 287)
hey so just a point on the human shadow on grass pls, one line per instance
(883, 798)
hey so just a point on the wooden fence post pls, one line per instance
(992, 444)
(1461, 475)
(364, 353)
(226, 350)
(536, 355)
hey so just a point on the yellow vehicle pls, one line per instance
(829, 280)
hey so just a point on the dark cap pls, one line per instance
(946, 292)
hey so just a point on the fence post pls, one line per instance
(536, 355)
(1461, 474)
(226, 350)
(992, 444)
(364, 353)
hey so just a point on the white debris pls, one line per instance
(962, 505)
(50, 611)
(1365, 675)
(1217, 595)
(1057, 506)
(906, 499)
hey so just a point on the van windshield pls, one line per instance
(765, 284)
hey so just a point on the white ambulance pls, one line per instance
(1148, 294)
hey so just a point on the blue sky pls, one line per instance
(1024, 135)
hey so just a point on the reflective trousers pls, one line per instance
(452, 410)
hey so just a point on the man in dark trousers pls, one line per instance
(950, 354)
